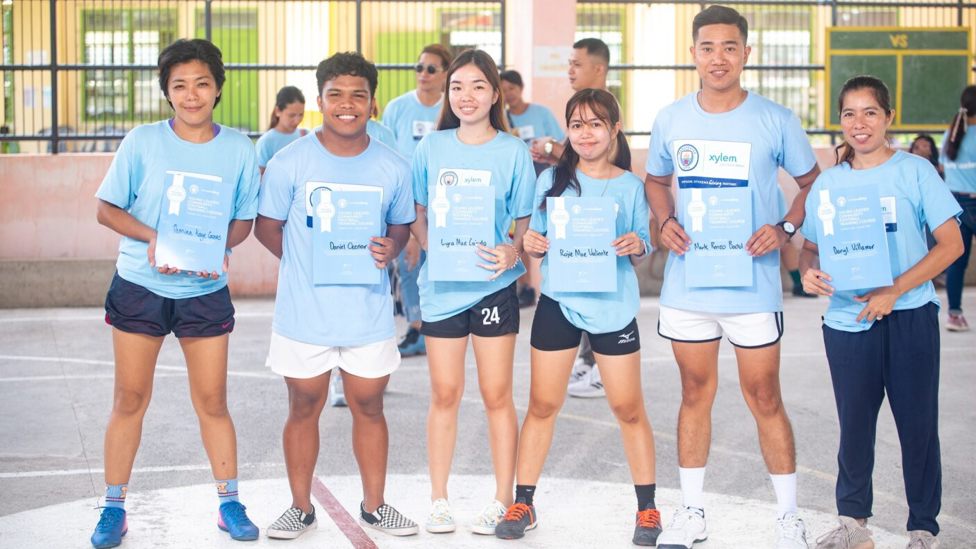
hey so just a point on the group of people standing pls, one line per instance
(879, 342)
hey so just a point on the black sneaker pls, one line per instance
(799, 292)
(388, 520)
(648, 527)
(292, 523)
(526, 297)
(517, 520)
(412, 335)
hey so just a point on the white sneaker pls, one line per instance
(337, 397)
(440, 520)
(580, 370)
(687, 526)
(589, 386)
(488, 519)
(790, 532)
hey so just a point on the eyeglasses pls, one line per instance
(431, 69)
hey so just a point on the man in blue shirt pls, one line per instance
(734, 135)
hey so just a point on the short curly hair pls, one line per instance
(346, 64)
(184, 51)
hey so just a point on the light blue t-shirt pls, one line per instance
(135, 182)
(512, 176)
(381, 133)
(920, 199)
(960, 174)
(539, 121)
(602, 312)
(410, 121)
(273, 141)
(331, 315)
(775, 139)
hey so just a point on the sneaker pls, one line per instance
(849, 535)
(922, 539)
(798, 291)
(590, 386)
(388, 520)
(790, 532)
(648, 527)
(581, 369)
(440, 520)
(686, 527)
(417, 347)
(110, 528)
(232, 518)
(517, 520)
(292, 523)
(488, 519)
(337, 397)
(526, 297)
(957, 323)
(410, 338)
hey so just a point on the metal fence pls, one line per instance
(78, 74)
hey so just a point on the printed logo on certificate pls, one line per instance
(581, 257)
(313, 187)
(461, 215)
(715, 209)
(343, 224)
(193, 222)
(851, 237)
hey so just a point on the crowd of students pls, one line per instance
(879, 342)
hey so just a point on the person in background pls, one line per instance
(923, 145)
(288, 112)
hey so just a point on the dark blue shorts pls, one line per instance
(495, 315)
(134, 309)
(552, 331)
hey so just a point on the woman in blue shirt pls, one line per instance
(959, 162)
(884, 341)
(473, 147)
(596, 164)
(288, 112)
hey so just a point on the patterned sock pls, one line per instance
(524, 493)
(227, 490)
(645, 496)
(115, 495)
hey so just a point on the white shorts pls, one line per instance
(296, 359)
(745, 330)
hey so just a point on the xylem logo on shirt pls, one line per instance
(722, 158)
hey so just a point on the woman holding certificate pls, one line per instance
(881, 328)
(590, 226)
(182, 192)
(471, 180)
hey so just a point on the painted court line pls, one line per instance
(349, 527)
(167, 469)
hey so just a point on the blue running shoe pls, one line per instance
(110, 529)
(233, 519)
(418, 347)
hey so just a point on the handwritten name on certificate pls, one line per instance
(193, 221)
(581, 257)
(715, 208)
(343, 224)
(458, 219)
(851, 238)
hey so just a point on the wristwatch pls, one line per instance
(548, 147)
(788, 228)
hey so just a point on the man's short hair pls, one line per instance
(719, 15)
(595, 47)
(441, 51)
(346, 64)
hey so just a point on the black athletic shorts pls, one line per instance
(495, 315)
(134, 309)
(552, 331)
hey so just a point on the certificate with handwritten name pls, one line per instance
(851, 238)
(343, 224)
(580, 231)
(459, 218)
(192, 231)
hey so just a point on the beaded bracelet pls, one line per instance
(518, 256)
(670, 217)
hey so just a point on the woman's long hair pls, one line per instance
(844, 152)
(286, 96)
(603, 105)
(967, 109)
(448, 120)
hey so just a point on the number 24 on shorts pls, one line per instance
(490, 315)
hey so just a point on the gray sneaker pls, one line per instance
(517, 520)
(922, 539)
(849, 535)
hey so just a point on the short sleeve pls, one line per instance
(797, 154)
(659, 161)
(552, 127)
(938, 204)
(264, 149)
(402, 210)
(390, 115)
(277, 190)
(246, 203)
(523, 183)
(539, 222)
(118, 187)
(641, 219)
(419, 171)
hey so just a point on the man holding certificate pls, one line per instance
(724, 145)
(335, 207)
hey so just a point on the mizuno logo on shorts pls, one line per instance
(626, 338)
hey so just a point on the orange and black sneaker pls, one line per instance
(648, 527)
(518, 518)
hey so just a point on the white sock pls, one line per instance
(785, 488)
(692, 486)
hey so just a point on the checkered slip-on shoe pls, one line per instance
(388, 520)
(292, 523)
